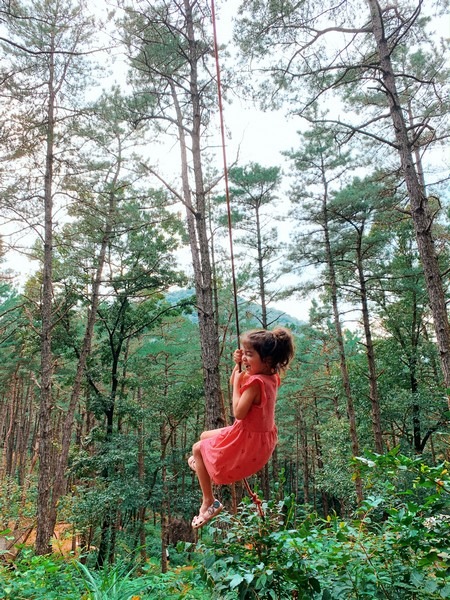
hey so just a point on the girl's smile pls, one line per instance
(252, 363)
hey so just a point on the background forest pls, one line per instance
(116, 336)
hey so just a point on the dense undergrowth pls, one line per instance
(395, 546)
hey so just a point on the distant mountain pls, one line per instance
(248, 311)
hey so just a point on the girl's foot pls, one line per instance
(191, 463)
(206, 516)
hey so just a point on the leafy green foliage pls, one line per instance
(112, 583)
(256, 559)
(39, 578)
(49, 578)
(395, 546)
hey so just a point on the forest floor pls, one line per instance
(15, 536)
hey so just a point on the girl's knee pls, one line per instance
(210, 433)
(196, 448)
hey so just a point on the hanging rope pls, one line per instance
(252, 494)
(256, 499)
(225, 171)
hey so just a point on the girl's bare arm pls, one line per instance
(243, 402)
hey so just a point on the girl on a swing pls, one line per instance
(235, 452)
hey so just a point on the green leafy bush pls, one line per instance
(396, 546)
(40, 578)
(252, 558)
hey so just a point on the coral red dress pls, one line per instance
(242, 449)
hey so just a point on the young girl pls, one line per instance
(233, 453)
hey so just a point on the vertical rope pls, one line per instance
(225, 170)
(253, 496)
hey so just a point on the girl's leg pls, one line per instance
(211, 433)
(203, 436)
(203, 478)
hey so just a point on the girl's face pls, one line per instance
(252, 363)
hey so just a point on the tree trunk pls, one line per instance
(302, 451)
(421, 217)
(275, 468)
(340, 342)
(261, 277)
(104, 547)
(370, 353)
(141, 474)
(9, 441)
(198, 237)
(44, 501)
(27, 419)
(203, 278)
(337, 412)
(165, 499)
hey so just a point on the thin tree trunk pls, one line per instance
(9, 443)
(105, 539)
(108, 533)
(318, 456)
(44, 501)
(340, 342)
(26, 426)
(165, 499)
(261, 277)
(302, 451)
(141, 475)
(275, 468)
(370, 353)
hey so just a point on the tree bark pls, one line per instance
(165, 498)
(370, 352)
(303, 453)
(197, 226)
(141, 474)
(261, 274)
(44, 522)
(319, 459)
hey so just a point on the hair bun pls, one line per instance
(281, 333)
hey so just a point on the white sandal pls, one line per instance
(211, 512)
